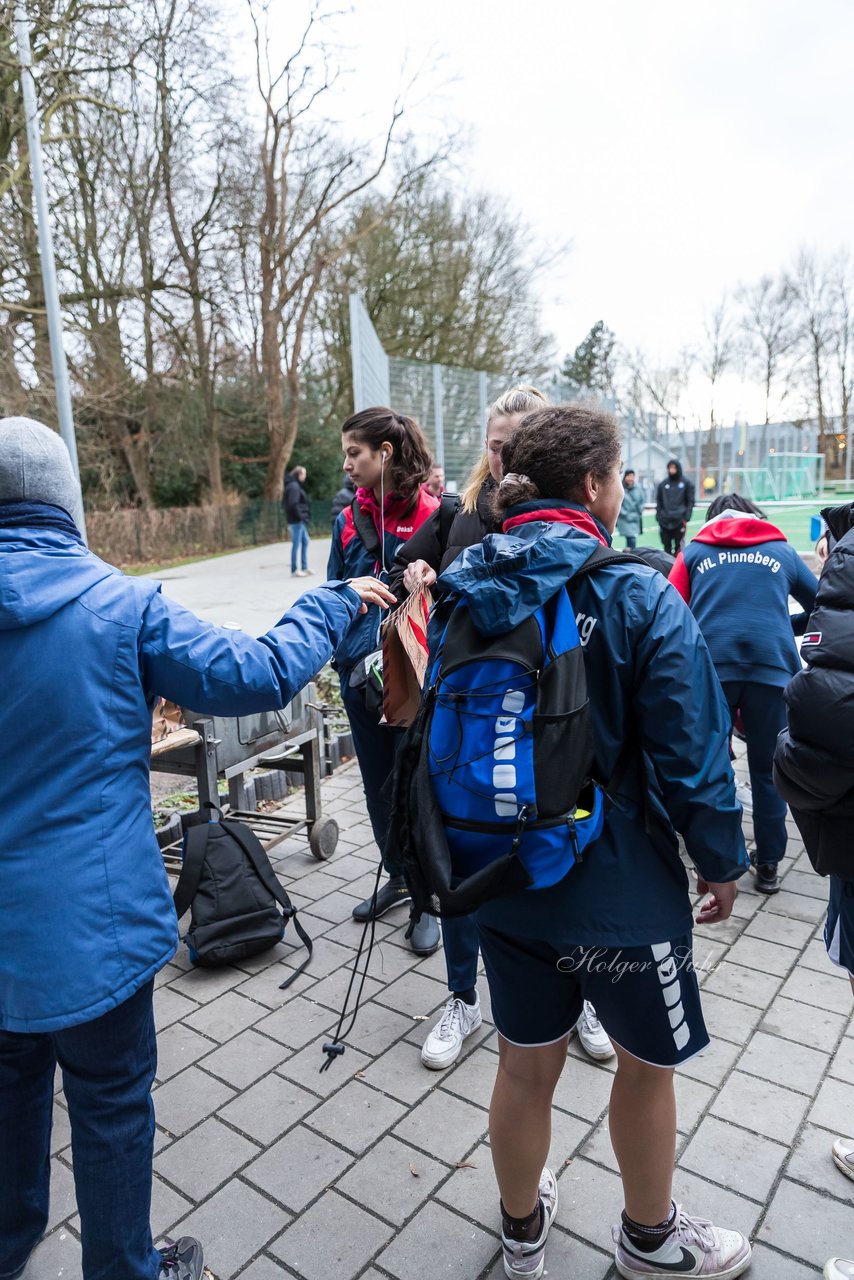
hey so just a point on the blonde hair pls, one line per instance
(520, 399)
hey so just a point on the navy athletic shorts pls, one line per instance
(647, 998)
(839, 927)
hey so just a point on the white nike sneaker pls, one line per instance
(444, 1043)
(838, 1269)
(593, 1036)
(695, 1248)
(843, 1156)
(526, 1259)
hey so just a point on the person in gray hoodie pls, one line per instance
(630, 519)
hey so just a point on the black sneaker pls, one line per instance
(767, 879)
(392, 894)
(183, 1260)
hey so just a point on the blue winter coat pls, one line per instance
(86, 913)
(651, 682)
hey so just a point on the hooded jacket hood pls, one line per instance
(674, 462)
(41, 571)
(510, 575)
(738, 529)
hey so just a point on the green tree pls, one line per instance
(591, 367)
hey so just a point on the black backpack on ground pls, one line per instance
(233, 895)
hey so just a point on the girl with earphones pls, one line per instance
(387, 459)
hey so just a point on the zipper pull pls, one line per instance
(573, 836)
(524, 814)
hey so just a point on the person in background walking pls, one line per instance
(737, 575)
(298, 516)
(436, 480)
(386, 456)
(342, 499)
(630, 519)
(86, 912)
(674, 503)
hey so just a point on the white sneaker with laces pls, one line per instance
(838, 1269)
(744, 795)
(444, 1043)
(843, 1156)
(527, 1258)
(593, 1036)
(695, 1248)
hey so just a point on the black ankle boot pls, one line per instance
(767, 879)
(391, 894)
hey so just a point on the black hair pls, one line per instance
(553, 450)
(629, 471)
(733, 502)
(411, 459)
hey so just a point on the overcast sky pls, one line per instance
(681, 147)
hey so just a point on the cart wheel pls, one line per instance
(323, 838)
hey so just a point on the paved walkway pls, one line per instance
(378, 1168)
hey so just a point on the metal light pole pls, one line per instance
(48, 265)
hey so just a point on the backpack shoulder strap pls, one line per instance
(246, 838)
(365, 528)
(449, 505)
(603, 556)
(195, 851)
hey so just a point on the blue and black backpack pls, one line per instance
(493, 790)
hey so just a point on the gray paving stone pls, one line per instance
(297, 1168)
(333, 1238)
(57, 1257)
(765, 957)
(816, 1028)
(63, 1201)
(169, 1006)
(297, 1023)
(200, 1162)
(356, 1116)
(807, 1224)
(775, 927)
(807, 883)
(728, 1019)
(767, 1264)
(377, 1028)
(414, 993)
(473, 1191)
(167, 1207)
(796, 1065)
(842, 1062)
(265, 987)
(389, 962)
(800, 907)
(591, 1199)
(583, 1089)
(204, 985)
(472, 1079)
(567, 1257)
(726, 932)
(707, 1200)
(444, 1126)
(234, 1225)
(344, 934)
(269, 1108)
(328, 956)
(330, 991)
(399, 1072)
(692, 1099)
(834, 1105)
(179, 1047)
(761, 1107)
(812, 1163)
(568, 1135)
(243, 1060)
(190, 1097)
(830, 991)
(745, 1162)
(265, 1268)
(713, 1064)
(413, 1255)
(383, 1180)
(225, 1016)
(336, 907)
(60, 1133)
(304, 1068)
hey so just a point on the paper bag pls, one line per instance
(168, 718)
(405, 659)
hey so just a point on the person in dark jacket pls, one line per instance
(617, 929)
(342, 499)
(418, 562)
(298, 516)
(86, 913)
(630, 519)
(814, 760)
(674, 504)
(737, 575)
(387, 458)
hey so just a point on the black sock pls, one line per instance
(527, 1228)
(467, 997)
(648, 1239)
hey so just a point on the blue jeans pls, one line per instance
(763, 714)
(299, 545)
(460, 944)
(108, 1069)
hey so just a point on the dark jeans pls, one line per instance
(376, 747)
(108, 1069)
(299, 545)
(460, 943)
(672, 539)
(631, 541)
(763, 714)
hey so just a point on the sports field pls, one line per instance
(792, 517)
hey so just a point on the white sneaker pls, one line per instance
(443, 1045)
(744, 796)
(593, 1036)
(526, 1258)
(843, 1156)
(695, 1248)
(838, 1269)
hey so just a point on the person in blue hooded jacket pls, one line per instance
(86, 913)
(617, 929)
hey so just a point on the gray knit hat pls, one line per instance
(35, 466)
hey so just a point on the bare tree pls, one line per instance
(811, 288)
(717, 352)
(842, 294)
(766, 321)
